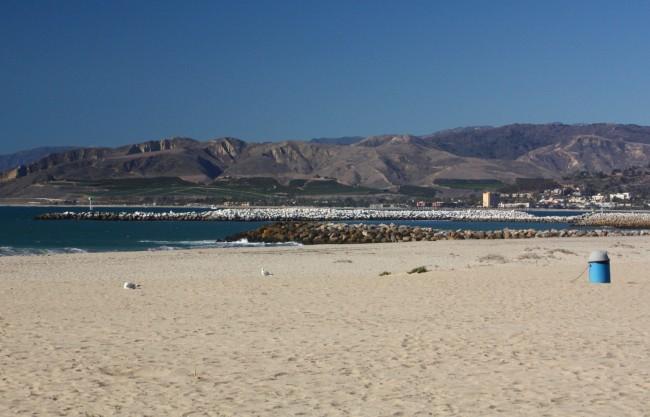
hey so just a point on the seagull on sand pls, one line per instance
(266, 273)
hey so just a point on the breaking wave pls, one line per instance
(188, 244)
(149, 245)
(11, 251)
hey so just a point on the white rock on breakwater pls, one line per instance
(311, 214)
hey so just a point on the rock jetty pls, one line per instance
(308, 214)
(624, 220)
(312, 233)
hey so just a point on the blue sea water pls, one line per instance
(21, 234)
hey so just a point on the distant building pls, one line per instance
(236, 203)
(514, 205)
(490, 200)
(598, 198)
(421, 204)
(437, 204)
(620, 196)
(577, 200)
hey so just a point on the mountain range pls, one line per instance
(28, 156)
(384, 162)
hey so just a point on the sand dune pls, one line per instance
(495, 327)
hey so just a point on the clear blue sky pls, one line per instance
(115, 72)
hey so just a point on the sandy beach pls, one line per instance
(495, 327)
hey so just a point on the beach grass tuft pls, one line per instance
(418, 270)
(492, 258)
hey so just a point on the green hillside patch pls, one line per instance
(137, 183)
(297, 187)
(475, 185)
(255, 190)
(326, 187)
(298, 183)
(139, 188)
(241, 189)
(415, 191)
(253, 185)
(134, 186)
(530, 185)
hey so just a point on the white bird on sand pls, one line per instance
(130, 285)
(266, 273)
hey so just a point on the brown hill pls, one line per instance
(381, 162)
(11, 161)
(589, 153)
(515, 140)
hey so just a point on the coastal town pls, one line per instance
(559, 198)
(556, 198)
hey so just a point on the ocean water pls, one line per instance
(20, 234)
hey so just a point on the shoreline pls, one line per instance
(602, 242)
(11, 251)
(229, 246)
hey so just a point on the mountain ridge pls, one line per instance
(13, 160)
(502, 153)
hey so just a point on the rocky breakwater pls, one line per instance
(331, 214)
(309, 233)
(308, 214)
(626, 220)
(125, 216)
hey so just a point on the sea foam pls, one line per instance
(190, 244)
(13, 251)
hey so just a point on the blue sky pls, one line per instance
(115, 72)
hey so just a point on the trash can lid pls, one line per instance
(598, 256)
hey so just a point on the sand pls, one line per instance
(495, 327)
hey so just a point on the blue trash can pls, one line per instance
(599, 267)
